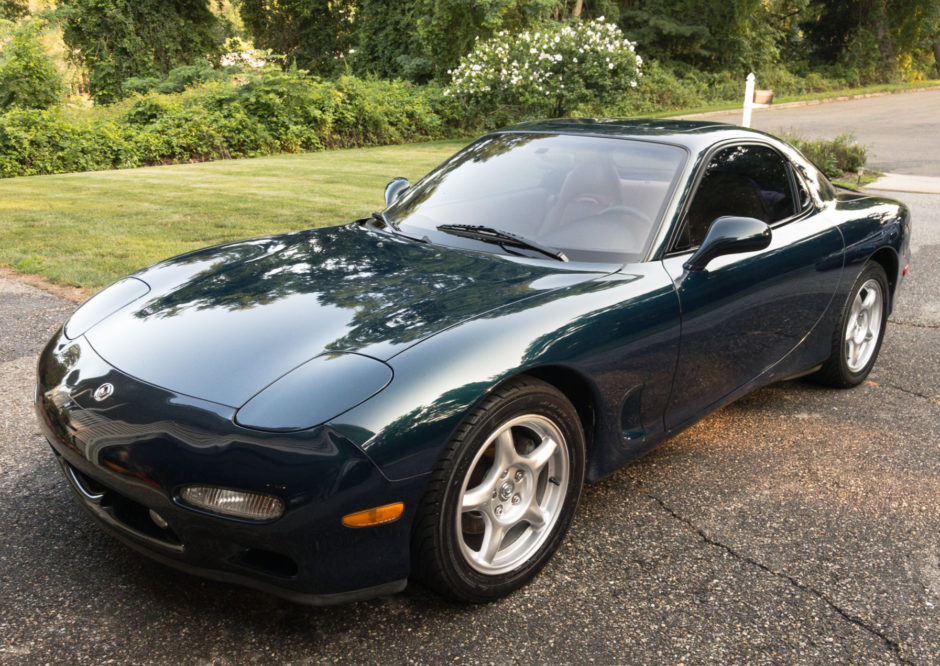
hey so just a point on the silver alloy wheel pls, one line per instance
(512, 494)
(863, 325)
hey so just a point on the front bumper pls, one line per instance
(129, 454)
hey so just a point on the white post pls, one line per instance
(748, 101)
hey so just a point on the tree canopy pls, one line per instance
(11, 10)
(856, 41)
(118, 39)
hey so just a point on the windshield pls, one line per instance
(593, 199)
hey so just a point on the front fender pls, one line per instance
(618, 332)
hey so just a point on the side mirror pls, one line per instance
(729, 235)
(395, 189)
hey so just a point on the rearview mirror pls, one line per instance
(730, 235)
(395, 189)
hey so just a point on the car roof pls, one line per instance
(695, 135)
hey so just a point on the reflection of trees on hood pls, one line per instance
(448, 405)
(396, 290)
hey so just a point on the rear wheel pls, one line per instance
(503, 495)
(857, 340)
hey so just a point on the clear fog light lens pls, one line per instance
(237, 503)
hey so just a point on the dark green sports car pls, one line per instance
(423, 393)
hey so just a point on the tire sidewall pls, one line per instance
(542, 400)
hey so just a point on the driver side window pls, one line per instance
(744, 181)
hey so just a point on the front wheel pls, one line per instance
(855, 344)
(500, 500)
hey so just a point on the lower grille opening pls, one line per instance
(133, 515)
(137, 517)
(267, 561)
(88, 484)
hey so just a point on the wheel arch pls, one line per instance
(887, 258)
(579, 392)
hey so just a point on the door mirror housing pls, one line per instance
(395, 189)
(730, 235)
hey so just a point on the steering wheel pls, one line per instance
(639, 224)
(635, 213)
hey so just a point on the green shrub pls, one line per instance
(375, 111)
(835, 156)
(178, 79)
(38, 142)
(658, 90)
(140, 84)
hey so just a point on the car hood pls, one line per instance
(222, 323)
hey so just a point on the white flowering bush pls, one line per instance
(549, 71)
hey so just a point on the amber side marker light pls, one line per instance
(375, 516)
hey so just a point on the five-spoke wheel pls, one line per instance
(863, 327)
(512, 494)
(502, 497)
(856, 342)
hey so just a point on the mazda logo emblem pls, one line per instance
(103, 392)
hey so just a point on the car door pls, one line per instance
(746, 312)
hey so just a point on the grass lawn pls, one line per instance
(88, 229)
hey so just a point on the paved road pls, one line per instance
(902, 131)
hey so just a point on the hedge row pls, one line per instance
(274, 111)
(262, 113)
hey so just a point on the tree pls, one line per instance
(11, 10)
(115, 40)
(737, 34)
(387, 43)
(28, 79)
(868, 38)
(935, 46)
(315, 35)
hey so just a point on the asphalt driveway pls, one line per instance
(799, 524)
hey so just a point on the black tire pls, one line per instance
(841, 370)
(450, 540)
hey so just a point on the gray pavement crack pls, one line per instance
(908, 391)
(913, 325)
(892, 645)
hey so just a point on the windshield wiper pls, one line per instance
(499, 237)
(393, 225)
